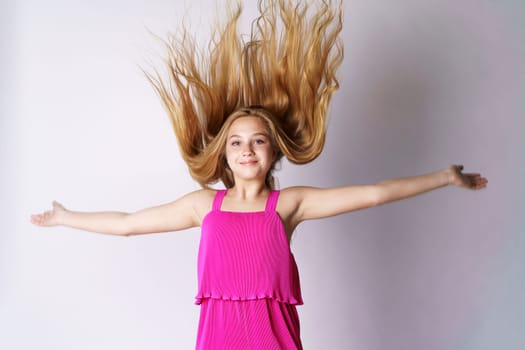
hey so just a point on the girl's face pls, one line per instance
(249, 150)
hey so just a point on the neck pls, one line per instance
(248, 190)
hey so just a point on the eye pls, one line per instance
(235, 143)
(260, 142)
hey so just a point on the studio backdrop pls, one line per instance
(424, 84)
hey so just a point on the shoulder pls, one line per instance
(202, 194)
(295, 193)
(290, 198)
(289, 205)
(202, 197)
(200, 200)
(295, 200)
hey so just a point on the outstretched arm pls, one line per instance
(178, 215)
(316, 203)
(396, 189)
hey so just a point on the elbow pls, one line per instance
(121, 232)
(379, 196)
(128, 232)
(126, 227)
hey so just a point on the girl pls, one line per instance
(236, 114)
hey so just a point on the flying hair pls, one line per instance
(284, 73)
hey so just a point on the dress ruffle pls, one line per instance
(287, 300)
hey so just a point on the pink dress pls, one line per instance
(248, 281)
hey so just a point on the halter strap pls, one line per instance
(271, 203)
(217, 201)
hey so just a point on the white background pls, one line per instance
(424, 84)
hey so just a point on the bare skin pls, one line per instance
(250, 154)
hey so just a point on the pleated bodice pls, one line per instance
(246, 256)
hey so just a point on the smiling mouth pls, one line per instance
(251, 162)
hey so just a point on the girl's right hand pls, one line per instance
(50, 217)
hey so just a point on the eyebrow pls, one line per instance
(256, 134)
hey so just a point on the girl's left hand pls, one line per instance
(473, 181)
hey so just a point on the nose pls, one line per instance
(247, 150)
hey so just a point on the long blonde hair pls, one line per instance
(286, 70)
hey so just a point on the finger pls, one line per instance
(479, 185)
(36, 219)
(478, 179)
(57, 205)
(476, 183)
